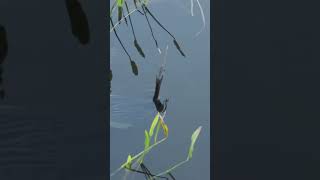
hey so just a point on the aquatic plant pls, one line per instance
(157, 123)
(120, 5)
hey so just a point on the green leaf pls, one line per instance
(129, 162)
(153, 125)
(113, 8)
(120, 3)
(157, 131)
(120, 11)
(194, 138)
(179, 48)
(147, 140)
(146, 145)
(164, 127)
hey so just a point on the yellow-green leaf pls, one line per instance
(153, 125)
(129, 162)
(194, 138)
(164, 127)
(146, 145)
(157, 132)
(120, 3)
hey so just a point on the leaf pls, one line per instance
(178, 47)
(134, 67)
(164, 127)
(157, 131)
(120, 11)
(145, 2)
(113, 7)
(129, 162)
(139, 48)
(194, 138)
(120, 3)
(135, 4)
(147, 140)
(153, 125)
(146, 145)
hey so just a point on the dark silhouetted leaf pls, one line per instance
(178, 47)
(79, 21)
(3, 44)
(139, 48)
(134, 68)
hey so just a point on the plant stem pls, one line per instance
(113, 27)
(172, 168)
(138, 155)
(115, 32)
(134, 35)
(145, 7)
(145, 14)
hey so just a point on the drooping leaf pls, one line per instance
(178, 47)
(129, 162)
(194, 138)
(139, 49)
(147, 140)
(157, 132)
(146, 145)
(164, 127)
(113, 8)
(120, 11)
(153, 125)
(135, 4)
(134, 68)
(120, 3)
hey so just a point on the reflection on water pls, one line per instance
(79, 22)
(3, 55)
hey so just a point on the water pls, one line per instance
(51, 121)
(186, 84)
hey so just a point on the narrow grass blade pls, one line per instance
(157, 132)
(153, 125)
(194, 138)
(129, 162)
(164, 127)
(146, 145)
(139, 49)
(120, 13)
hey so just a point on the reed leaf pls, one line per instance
(134, 67)
(139, 49)
(129, 162)
(157, 132)
(146, 145)
(194, 138)
(120, 9)
(153, 125)
(164, 127)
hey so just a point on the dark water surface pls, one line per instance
(185, 83)
(53, 119)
